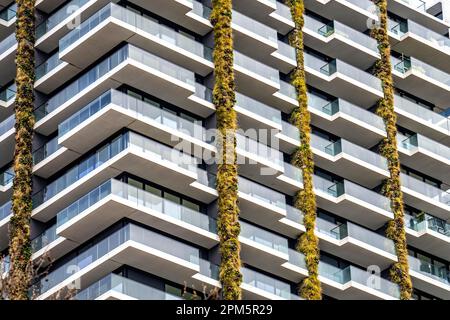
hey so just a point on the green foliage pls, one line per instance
(308, 243)
(227, 175)
(20, 245)
(392, 188)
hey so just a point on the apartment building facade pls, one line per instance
(124, 199)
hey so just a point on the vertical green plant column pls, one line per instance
(20, 246)
(308, 243)
(227, 175)
(399, 272)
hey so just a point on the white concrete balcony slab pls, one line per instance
(341, 41)
(429, 278)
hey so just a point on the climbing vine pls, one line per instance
(399, 272)
(227, 175)
(20, 246)
(305, 200)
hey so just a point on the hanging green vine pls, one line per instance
(305, 200)
(227, 175)
(399, 272)
(20, 246)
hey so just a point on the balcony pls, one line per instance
(342, 42)
(429, 234)
(8, 48)
(422, 120)
(430, 278)
(346, 120)
(343, 80)
(417, 11)
(6, 181)
(7, 20)
(426, 197)
(350, 283)
(53, 73)
(131, 245)
(130, 65)
(413, 39)
(353, 202)
(5, 215)
(353, 13)
(115, 200)
(426, 155)
(7, 99)
(424, 80)
(58, 24)
(7, 132)
(116, 287)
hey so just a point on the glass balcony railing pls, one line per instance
(6, 177)
(46, 150)
(287, 50)
(203, 92)
(259, 149)
(5, 210)
(44, 239)
(8, 93)
(425, 222)
(263, 237)
(59, 16)
(130, 232)
(9, 13)
(50, 64)
(126, 52)
(262, 193)
(427, 115)
(441, 274)
(139, 198)
(335, 27)
(256, 67)
(266, 283)
(412, 64)
(288, 90)
(330, 68)
(200, 9)
(125, 286)
(425, 189)
(129, 140)
(415, 4)
(344, 146)
(7, 124)
(290, 131)
(418, 141)
(258, 108)
(141, 110)
(283, 10)
(5, 264)
(254, 26)
(7, 43)
(374, 239)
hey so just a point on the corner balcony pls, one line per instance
(353, 202)
(114, 24)
(8, 20)
(7, 133)
(343, 80)
(353, 13)
(426, 197)
(342, 42)
(429, 234)
(57, 25)
(7, 100)
(424, 80)
(346, 240)
(128, 152)
(115, 200)
(416, 10)
(116, 287)
(6, 181)
(8, 48)
(426, 155)
(422, 120)
(346, 120)
(430, 278)
(53, 73)
(413, 39)
(129, 65)
(5, 216)
(131, 245)
(350, 283)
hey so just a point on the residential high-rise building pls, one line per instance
(124, 180)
